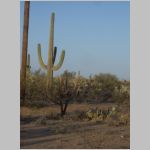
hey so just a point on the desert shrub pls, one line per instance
(36, 103)
(99, 88)
(35, 86)
(118, 117)
(104, 86)
(122, 98)
(118, 120)
(70, 75)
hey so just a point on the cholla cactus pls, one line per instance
(93, 114)
(50, 67)
(97, 114)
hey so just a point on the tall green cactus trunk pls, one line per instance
(50, 54)
(50, 67)
(24, 51)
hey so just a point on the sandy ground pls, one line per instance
(71, 134)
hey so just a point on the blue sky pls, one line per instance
(95, 35)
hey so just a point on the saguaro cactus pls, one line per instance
(50, 67)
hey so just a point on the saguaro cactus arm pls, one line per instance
(54, 54)
(40, 58)
(56, 67)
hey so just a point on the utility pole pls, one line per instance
(24, 51)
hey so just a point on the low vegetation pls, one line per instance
(97, 89)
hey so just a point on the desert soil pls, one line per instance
(69, 134)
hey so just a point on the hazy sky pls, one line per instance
(95, 35)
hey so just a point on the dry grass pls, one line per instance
(33, 112)
(26, 111)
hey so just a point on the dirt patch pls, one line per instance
(79, 134)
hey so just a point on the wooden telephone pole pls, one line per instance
(24, 50)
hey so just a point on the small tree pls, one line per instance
(63, 92)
